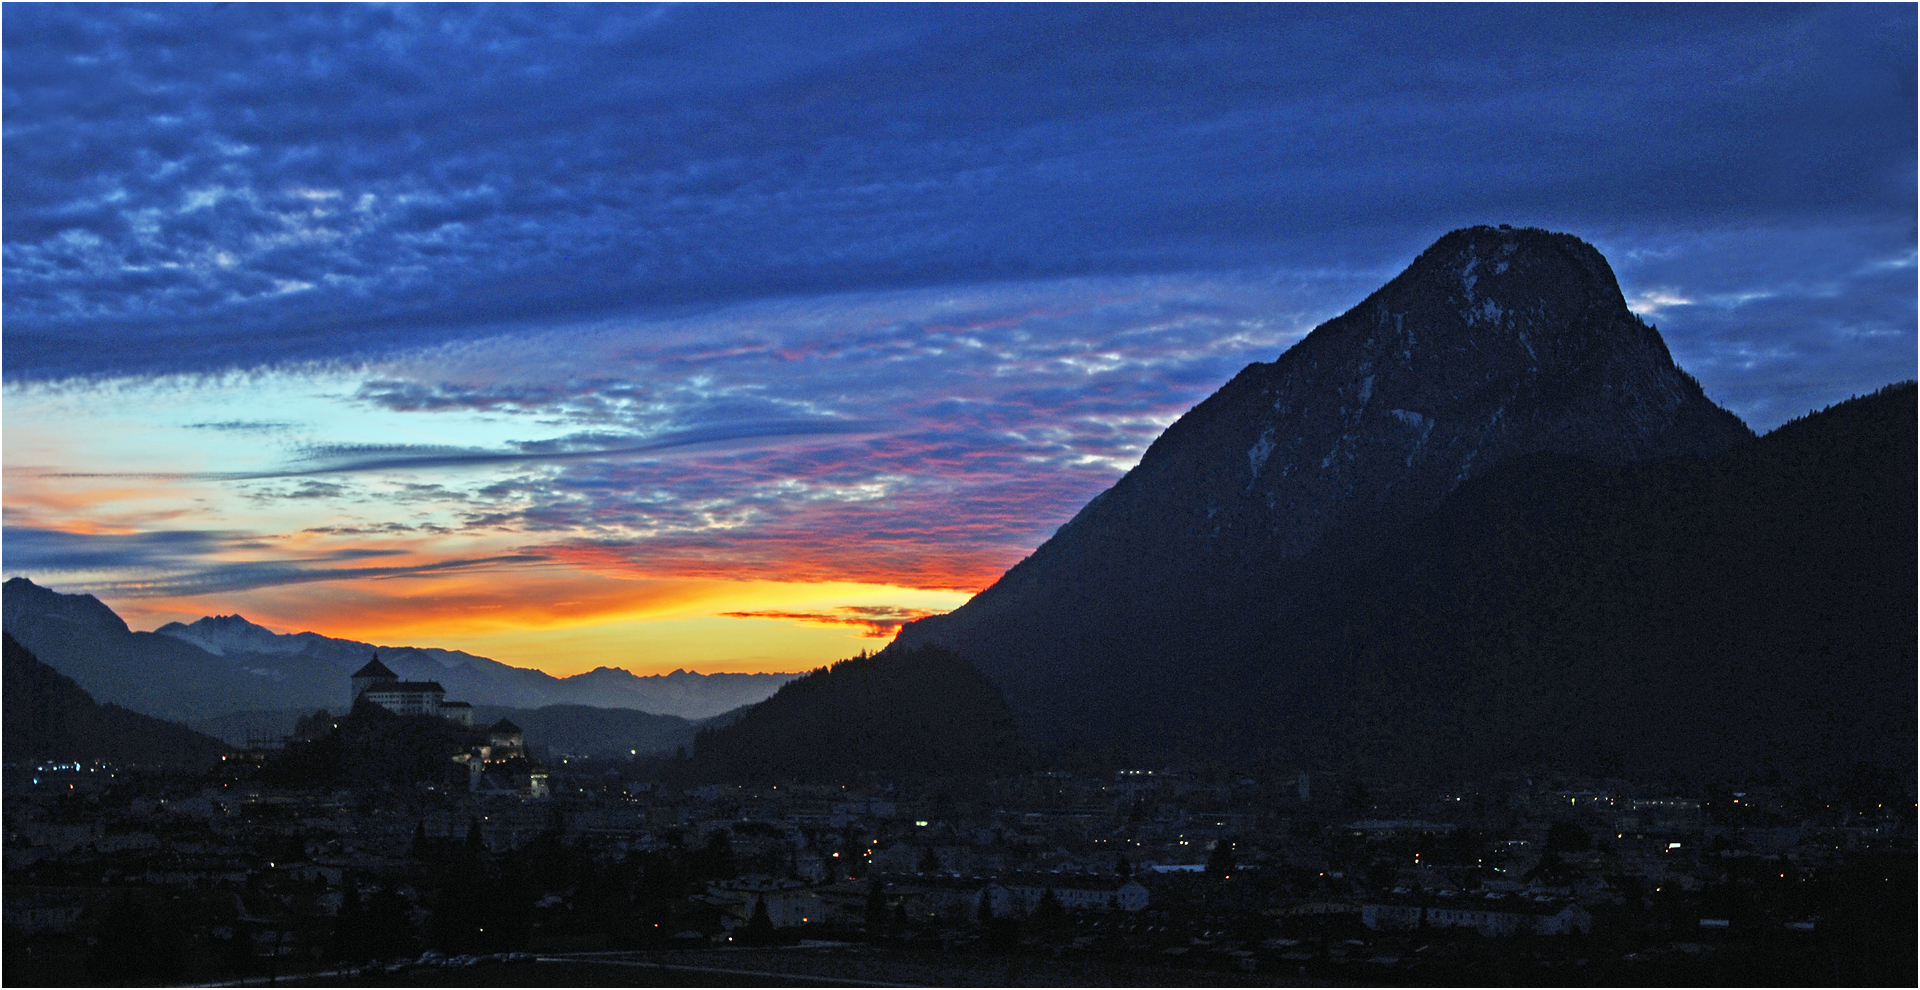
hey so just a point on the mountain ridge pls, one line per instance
(172, 672)
(49, 717)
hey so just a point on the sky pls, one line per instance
(731, 337)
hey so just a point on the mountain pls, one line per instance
(481, 681)
(1495, 344)
(905, 713)
(158, 675)
(49, 717)
(224, 664)
(1746, 616)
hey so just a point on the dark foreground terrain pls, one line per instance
(836, 965)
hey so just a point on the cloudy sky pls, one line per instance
(729, 337)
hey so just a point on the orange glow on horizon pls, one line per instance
(567, 622)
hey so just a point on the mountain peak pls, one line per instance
(219, 633)
(1495, 343)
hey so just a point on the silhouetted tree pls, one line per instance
(350, 935)
(715, 860)
(1049, 912)
(876, 907)
(133, 948)
(1568, 837)
(929, 861)
(389, 919)
(1220, 862)
(759, 930)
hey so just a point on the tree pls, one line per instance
(715, 860)
(1049, 911)
(1123, 868)
(350, 935)
(876, 908)
(1220, 863)
(133, 948)
(930, 861)
(985, 914)
(1568, 837)
(759, 930)
(389, 917)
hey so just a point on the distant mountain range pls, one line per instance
(222, 665)
(1480, 520)
(49, 717)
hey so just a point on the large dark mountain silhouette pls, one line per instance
(1482, 519)
(1494, 344)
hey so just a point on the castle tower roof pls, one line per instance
(377, 670)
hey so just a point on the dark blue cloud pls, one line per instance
(186, 562)
(205, 187)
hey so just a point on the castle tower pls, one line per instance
(373, 673)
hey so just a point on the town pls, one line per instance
(1196, 875)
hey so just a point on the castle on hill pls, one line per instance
(381, 686)
(506, 744)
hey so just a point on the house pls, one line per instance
(1491, 915)
(1086, 893)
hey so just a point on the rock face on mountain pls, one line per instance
(1495, 344)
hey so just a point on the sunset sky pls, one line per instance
(730, 337)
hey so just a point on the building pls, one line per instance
(373, 673)
(380, 685)
(505, 740)
(1083, 893)
(407, 697)
(1488, 916)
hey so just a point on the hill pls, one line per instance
(577, 729)
(49, 717)
(898, 714)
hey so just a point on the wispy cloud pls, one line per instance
(351, 459)
(877, 621)
(194, 562)
(232, 186)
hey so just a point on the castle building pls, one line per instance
(381, 686)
